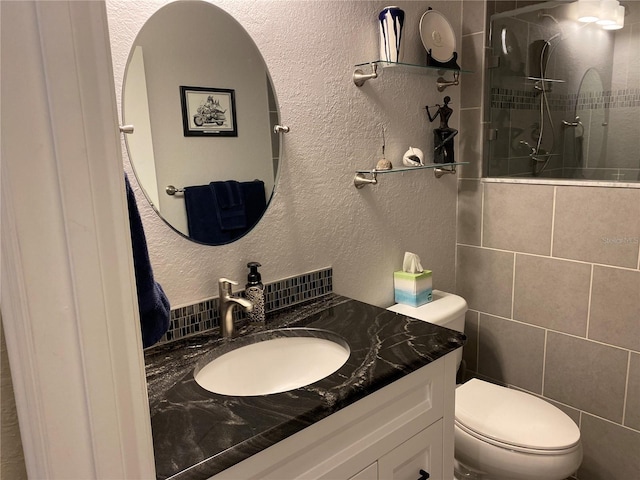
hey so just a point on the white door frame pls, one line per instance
(67, 287)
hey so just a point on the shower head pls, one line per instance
(561, 33)
(548, 15)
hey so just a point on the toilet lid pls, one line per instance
(513, 418)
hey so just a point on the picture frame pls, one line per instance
(208, 112)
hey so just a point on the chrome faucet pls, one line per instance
(227, 302)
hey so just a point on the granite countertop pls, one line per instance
(197, 434)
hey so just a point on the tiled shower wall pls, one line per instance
(552, 277)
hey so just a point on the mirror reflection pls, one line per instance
(199, 95)
(561, 97)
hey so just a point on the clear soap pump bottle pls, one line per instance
(254, 291)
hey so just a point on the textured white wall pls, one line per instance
(317, 218)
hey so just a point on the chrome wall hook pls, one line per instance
(281, 129)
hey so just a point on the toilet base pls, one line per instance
(461, 472)
(477, 460)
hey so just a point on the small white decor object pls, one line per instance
(413, 157)
(391, 21)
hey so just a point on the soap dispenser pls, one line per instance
(254, 291)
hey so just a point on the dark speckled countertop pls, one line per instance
(197, 434)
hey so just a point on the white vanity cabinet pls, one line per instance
(422, 454)
(420, 457)
(393, 433)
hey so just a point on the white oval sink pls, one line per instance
(273, 362)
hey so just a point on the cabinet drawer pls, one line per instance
(369, 473)
(421, 452)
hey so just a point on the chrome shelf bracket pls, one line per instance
(442, 83)
(360, 78)
(360, 180)
(440, 171)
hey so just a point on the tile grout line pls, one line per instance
(553, 219)
(626, 389)
(513, 284)
(559, 332)
(482, 216)
(586, 333)
(544, 359)
(563, 259)
(478, 345)
(608, 420)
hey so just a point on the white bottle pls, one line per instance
(254, 291)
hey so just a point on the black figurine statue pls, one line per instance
(443, 136)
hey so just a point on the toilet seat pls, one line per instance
(516, 448)
(514, 420)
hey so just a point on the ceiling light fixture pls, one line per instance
(608, 9)
(619, 20)
(588, 10)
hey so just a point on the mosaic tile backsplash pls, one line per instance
(520, 99)
(205, 315)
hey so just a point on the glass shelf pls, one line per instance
(411, 66)
(370, 177)
(410, 169)
(360, 77)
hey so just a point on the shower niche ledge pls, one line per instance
(360, 77)
(542, 83)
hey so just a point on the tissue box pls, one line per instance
(413, 289)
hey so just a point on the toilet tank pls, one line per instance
(446, 309)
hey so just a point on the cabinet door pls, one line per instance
(369, 473)
(421, 452)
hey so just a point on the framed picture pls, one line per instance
(208, 112)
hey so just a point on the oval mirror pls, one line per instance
(200, 98)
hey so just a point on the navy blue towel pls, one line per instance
(202, 215)
(153, 304)
(202, 219)
(229, 203)
(255, 202)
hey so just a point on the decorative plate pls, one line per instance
(437, 36)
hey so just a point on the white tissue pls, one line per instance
(411, 263)
(413, 157)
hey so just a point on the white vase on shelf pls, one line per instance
(391, 20)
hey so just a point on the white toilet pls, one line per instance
(501, 433)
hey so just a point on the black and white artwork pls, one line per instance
(208, 112)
